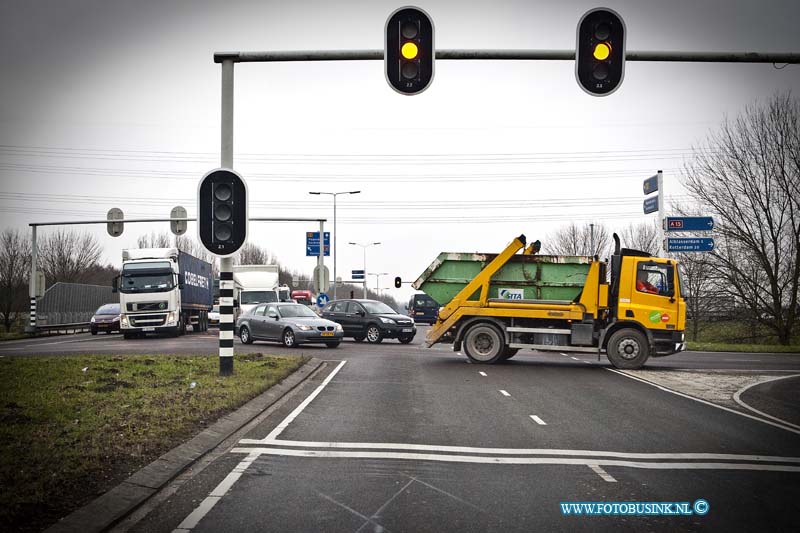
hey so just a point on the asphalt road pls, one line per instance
(402, 438)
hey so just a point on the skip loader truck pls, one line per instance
(496, 304)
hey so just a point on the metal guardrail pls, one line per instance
(68, 329)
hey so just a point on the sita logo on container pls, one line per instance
(511, 294)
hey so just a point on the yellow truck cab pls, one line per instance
(497, 304)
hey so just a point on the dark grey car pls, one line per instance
(288, 323)
(371, 320)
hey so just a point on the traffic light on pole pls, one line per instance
(409, 53)
(398, 282)
(222, 212)
(600, 52)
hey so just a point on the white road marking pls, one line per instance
(575, 358)
(191, 521)
(288, 420)
(744, 360)
(538, 420)
(665, 389)
(329, 454)
(602, 473)
(521, 451)
(504, 393)
(737, 397)
(482, 374)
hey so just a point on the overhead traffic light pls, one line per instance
(409, 53)
(398, 282)
(600, 52)
(222, 212)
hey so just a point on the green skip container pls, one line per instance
(523, 277)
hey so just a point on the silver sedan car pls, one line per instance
(288, 323)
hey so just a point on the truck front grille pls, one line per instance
(143, 321)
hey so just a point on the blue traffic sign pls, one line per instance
(690, 224)
(690, 244)
(651, 204)
(312, 243)
(322, 300)
(650, 184)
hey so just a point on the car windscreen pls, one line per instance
(378, 308)
(108, 309)
(257, 297)
(292, 311)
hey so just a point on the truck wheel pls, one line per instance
(508, 353)
(288, 338)
(628, 349)
(374, 335)
(244, 335)
(484, 344)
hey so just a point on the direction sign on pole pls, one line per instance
(690, 224)
(690, 244)
(651, 204)
(650, 184)
(322, 300)
(326, 278)
(178, 227)
(312, 243)
(114, 228)
(358, 274)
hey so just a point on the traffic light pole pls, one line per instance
(226, 263)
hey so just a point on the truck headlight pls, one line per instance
(171, 317)
(387, 320)
(124, 320)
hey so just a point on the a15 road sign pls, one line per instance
(689, 224)
(690, 244)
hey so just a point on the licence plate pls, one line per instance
(148, 329)
(327, 334)
(407, 330)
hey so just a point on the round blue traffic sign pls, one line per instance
(322, 300)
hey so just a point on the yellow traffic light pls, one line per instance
(409, 50)
(602, 51)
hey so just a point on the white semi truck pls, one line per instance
(162, 290)
(257, 284)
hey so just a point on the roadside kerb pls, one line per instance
(117, 503)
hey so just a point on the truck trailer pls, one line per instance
(497, 304)
(258, 284)
(162, 290)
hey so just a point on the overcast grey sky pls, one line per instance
(116, 104)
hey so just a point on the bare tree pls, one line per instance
(15, 258)
(747, 175)
(643, 236)
(67, 256)
(155, 240)
(253, 254)
(588, 239)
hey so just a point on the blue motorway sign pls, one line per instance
(358, 274)
(650, 184)
(322, 300)
(690, 224)
(312, 243)
(690, 244)
(651, 204)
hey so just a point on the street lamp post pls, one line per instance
(322, 237)
(364, 247)
(378, 279)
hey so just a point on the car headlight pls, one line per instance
(387, 320)
(339, 327)
(92, 320)
(304, 327)
(116, 319)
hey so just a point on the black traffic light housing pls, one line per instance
(409, 54)
(600, 52)
(398, 282)
(222, 212)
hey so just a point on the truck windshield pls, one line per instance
(257, 297)
(146, 281)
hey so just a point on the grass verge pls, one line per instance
(12, 336)
(72, 427)
(755, 348)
